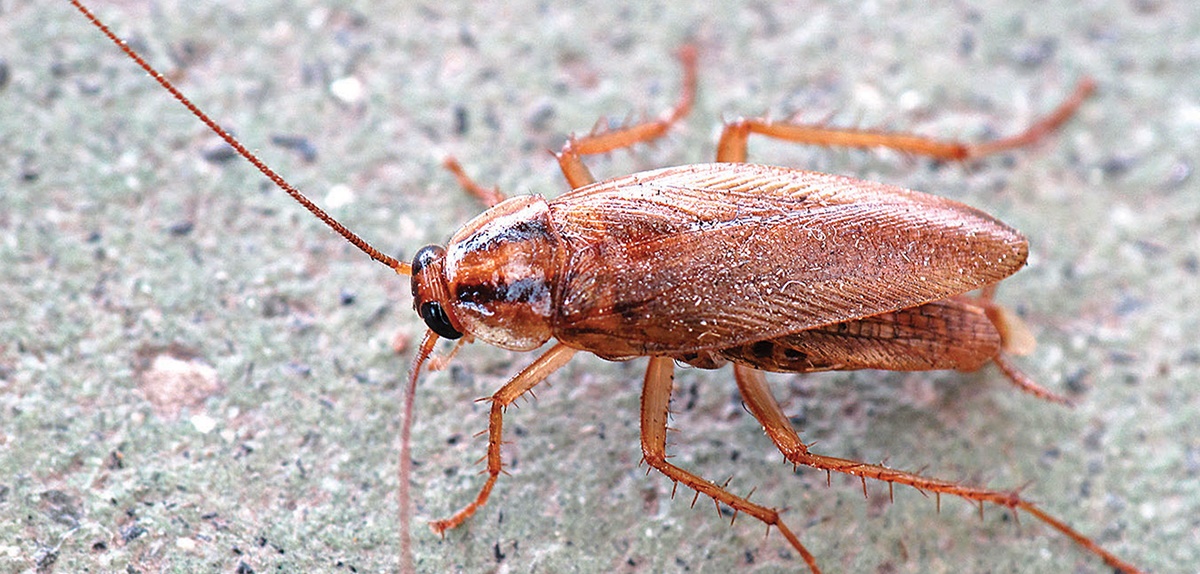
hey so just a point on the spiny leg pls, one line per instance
(570, 158)
(656, 397)
(550, 361)
(760, 402)
(732, 146)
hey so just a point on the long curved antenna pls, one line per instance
(396, 265)
(404, 492)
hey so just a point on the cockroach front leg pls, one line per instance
(597, 142)
(656, 397)
(550, 361)
(760, 402)
(732, 146)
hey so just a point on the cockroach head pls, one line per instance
(429, 291)
(494, 279)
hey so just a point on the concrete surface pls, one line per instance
(264, 437)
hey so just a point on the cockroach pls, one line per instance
(767, 268)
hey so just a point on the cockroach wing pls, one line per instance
(953, 333)
(711, 256)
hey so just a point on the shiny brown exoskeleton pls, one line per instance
(768, 268)
(714, 262)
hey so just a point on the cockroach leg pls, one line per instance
(536, 372)
(732, 146)
(1039, 129)
(656, 397)
(439, 362)
(489, 197)
(570, 159)
(761, 403)
(597, 142)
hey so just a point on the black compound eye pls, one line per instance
(437, 321)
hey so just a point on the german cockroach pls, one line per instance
(767, 268)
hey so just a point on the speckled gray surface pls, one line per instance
(118, 239)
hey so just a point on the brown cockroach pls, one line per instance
(768, 268)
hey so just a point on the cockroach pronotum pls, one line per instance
(767, 268)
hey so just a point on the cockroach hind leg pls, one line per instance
(757, 396)
(732, 146)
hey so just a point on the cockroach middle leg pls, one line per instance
(761, 403)
(734, 137)
(597, 142)
(536, 372)
(656, 397)
(570, 158)
(489, 196)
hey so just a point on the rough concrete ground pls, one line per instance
(124, 238)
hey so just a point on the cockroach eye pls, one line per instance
(437, 321)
